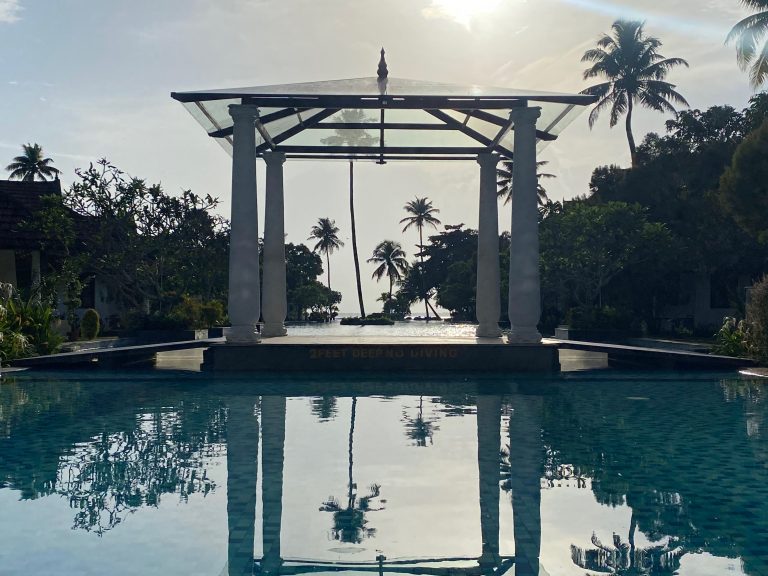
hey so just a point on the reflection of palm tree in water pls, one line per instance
(627, 559)
(350, 523)
(419, 429)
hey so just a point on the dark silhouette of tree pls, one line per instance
(421, 213)
(626, 559)
(31, 165)
(327, 235)
(419, 429)
(635, 74)
(504, 181)
(391, 261)
(747, 35)
(324, 407)
(350, 522)
(353, 137)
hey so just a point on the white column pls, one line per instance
(275, 298)
(244, 297)
(487, 299)
(488, 446)
(524, 289)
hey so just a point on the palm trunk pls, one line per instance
(328, 268)
(630, 137)
(390, 287)
(351, 483)
(354, 237)
(421, 276)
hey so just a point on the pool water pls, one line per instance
(168, 473)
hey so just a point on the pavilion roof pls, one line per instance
(381, 118)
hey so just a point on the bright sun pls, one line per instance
(461, 11)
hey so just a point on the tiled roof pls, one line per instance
(18, 201)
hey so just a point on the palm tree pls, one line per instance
(635, 73)
(353, 137)
(31, 165)
(747, 34)
(504, 181)
(421, 214)
(391, 261)
(350, 522)
(327, 235)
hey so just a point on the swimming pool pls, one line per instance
(170, 473)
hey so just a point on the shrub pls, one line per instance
(212, 314)
(757, 316)
(605, 318)
(90, 324)
(733, 338)
(26, 327)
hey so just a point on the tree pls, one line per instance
(391, 261)
(744, 185)
(31, 165)
(353, 137)
(421, 214)
(327, 235)
(504, 181)
(635, 73)
(747, 34)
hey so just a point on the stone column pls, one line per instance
(244, 297)
(487, 297)
(242, 472)
(526, 467)
(524, 289)
(488, 444)
(272, 460)
(275, 298)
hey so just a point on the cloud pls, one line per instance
(9, 11)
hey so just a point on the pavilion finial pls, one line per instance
(382, 71)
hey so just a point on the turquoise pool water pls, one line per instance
(169, 473)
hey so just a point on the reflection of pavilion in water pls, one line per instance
(526, 470)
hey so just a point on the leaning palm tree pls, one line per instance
(327, 235)
(31, 165)
(635, 74)
(353, 137)
(421, 213)
(747, 34)
(504, 182)
(391, 261)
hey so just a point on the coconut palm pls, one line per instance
(391, 261)
(327, 235)
(747, 35)
(353, 137)
(504, 181)
(350, 524)
(635, 74)
(421, 213)
(31, 165)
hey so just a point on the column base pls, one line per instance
(273, 330)
(245, 334)
(523, 335)
(488, 331)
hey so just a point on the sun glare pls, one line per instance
(461, 11)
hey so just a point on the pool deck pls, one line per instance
(389, 354)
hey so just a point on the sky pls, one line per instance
(89, 79)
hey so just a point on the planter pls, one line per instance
(152, 336)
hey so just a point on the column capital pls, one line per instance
(243, 111)
(488, 159)
(273, 157)
(527, 115)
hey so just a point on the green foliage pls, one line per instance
(26, 326)
(145, 243)
(744, 185)
(605, 318)
(757, 316)
(90, 324)
(733, 338)
(585, 247)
